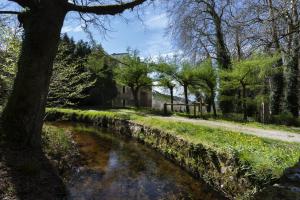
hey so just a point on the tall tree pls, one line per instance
(185, 76)
(166, 72)
(101, 65)
(195, 22)
(198, 26)
(293, 63)
(277, 78)
(42, 22)
(248, 75)
(71, 81)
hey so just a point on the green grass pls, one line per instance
(265, 157)
(56, 141)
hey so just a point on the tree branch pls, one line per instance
(9, 12)
(104, 10)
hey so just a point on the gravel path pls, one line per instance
(266, 133)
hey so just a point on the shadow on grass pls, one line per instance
(28, 175)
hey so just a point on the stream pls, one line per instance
(117, 168)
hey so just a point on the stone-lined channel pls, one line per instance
(121, 168)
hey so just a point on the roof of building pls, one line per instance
(119, 54)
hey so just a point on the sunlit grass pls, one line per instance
(262, 154)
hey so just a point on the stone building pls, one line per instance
(124, 96)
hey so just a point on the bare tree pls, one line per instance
(198, 25)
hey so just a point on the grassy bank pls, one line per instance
(265, 158)
(58, 145)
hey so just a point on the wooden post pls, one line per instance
(165, 109)
(194, 109)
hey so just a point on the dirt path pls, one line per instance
(266, 133)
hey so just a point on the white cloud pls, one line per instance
(157, 45)
(67, 29)
(157, 21)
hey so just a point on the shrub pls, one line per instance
(285, 118)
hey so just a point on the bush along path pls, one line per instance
(237, 164)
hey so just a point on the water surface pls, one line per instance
(117, 168)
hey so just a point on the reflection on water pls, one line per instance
(124, 169)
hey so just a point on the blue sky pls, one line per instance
(146, 34)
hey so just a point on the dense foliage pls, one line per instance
(9, 51)
(70, 82)
(232, 32)
(82, 76)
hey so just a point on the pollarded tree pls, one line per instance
(248, 75)
(166, 72)
(134, 73)
(206, 79)
(42, 22)
(185, 76)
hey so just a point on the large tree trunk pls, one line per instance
(24, 112)
(209, 104)
(186, 97)
(244, 102)
(135, 93)
(223, 59)
(277, 79)
(239, 53)
(212, 99)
